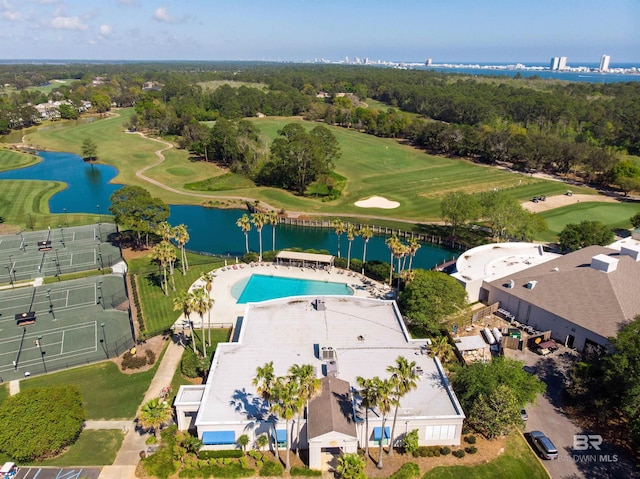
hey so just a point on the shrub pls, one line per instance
(297, 471)
(407, 471)
(133, 361)
(470, 439)
(471, 449)
(40, 422)
(151, 440)
(160, 464)
(230, 471)
(271, 468)
(226, 453)
(151, 357)
(459, 453)
(410, 442)
(423, 451)
(445, 451)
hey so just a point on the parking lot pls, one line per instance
(58, 473)
(547, 415)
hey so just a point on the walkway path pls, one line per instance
(134, 441)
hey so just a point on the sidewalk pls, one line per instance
(126, 461)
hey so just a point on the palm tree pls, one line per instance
(385, 400)
(201, 303)
(244, 223)
(242, 442)
(351, 466)
(339, 227)
(441, 348)
(208, 283)
(160, 253)
(170, 253)
(181, 235)
(273, 221)
(369, 398)
(367, 233)
(352, 232)
(262, 441)
(259, 220)
(154, 414)
(309, 385)
(184, 302)
(286, 405)
(404, 379)
(264, 381)
(164, 231)
(414, 246)
(392, 243)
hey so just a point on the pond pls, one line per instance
(211, 230)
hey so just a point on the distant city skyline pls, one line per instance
(304, 30)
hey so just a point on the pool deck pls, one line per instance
(225, 310)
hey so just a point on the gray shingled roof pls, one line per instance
(598, 301)
(332, 409)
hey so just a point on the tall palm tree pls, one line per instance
(385, 400)
(274, 218)
(201, 304)
(369, 398)
(309, 385)
(181, 235)
(392, 243)
(164, 231)
(352, 232)
(208, 283)
(404, 379)
(441, 348)
(184, 303)
(286, 405)
(171, 256)
(367, 233)
(161, 255)
(259, 220)
(244, 223)
(414, 246)
(339, 227)
(154, 414)
(264, 381)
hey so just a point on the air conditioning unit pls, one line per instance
(327, 353)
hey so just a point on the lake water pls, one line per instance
(211, 230)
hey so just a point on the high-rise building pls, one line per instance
(604, 63)
(429, 62)
(562, 64)
(555, 61)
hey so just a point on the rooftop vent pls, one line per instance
(531, 284)
(604, 263)
(511, 284)
(319, 305)
(631, 250)
(556, 269)
(327, 353)
(331, 368)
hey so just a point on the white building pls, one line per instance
(555, 62)
(343, 337)
(562, 63)
(604, 63)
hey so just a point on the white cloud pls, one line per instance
(105, 30)
(13, 16)
(162, 15)
(68, 23)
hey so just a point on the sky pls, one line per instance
(304, 30)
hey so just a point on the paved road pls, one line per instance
(547, 415)
(57, 473)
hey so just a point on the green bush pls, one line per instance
(151, 440)
(230, 471)
(133, 361)
(407, 471)
(223, 454)
(410, 443)
(423, 451)
(40, 422)
(271, 468)
(458, 453)
(193, 366)
(470, 439)
(160, 464)
(297, 471)
(471, 449)
(445, 451)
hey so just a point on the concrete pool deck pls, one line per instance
(225, 310)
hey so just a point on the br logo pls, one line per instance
(583, 442)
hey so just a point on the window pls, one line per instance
(433, 433)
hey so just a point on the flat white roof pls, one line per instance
(469, 343)
(308, 257)
(497, 260)
(367, 335)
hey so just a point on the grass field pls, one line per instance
(46, 89)
(94, 447)
(4, 392)
(614, 215)
(11, 160)
(106, 392)
(518, 462)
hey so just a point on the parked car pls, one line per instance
(542, 198)
(524, 415)
(535, 199)
(544, 446)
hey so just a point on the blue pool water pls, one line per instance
(260, 287)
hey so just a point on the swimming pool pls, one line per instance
(260, 287)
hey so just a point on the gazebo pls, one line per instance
(294, 258)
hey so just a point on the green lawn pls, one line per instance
(11, 160)
(518, 461)
(614, 215)
(4, 392)
(94, 447)
(106, 392)
(157, 309)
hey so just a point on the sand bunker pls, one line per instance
(377, 202)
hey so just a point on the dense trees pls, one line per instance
(587, 233)
(429, 299)
(135, 208)
(40, 422)
(459, 208)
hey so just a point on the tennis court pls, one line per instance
(52, 252)
(60, 325)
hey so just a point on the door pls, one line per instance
(569, 341)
